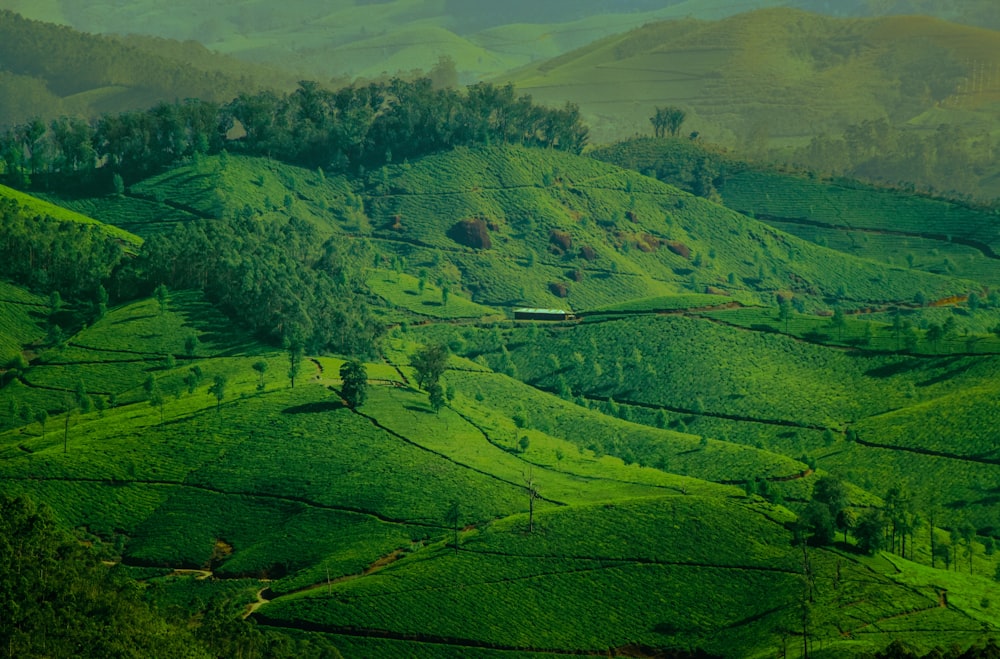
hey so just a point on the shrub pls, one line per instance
(587, 252)
(560, 240)
(472, 232)
(559, 289)
(679, 248)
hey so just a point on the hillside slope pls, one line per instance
(48, 70)
(773, 75)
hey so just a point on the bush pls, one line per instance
(679, 248)
(560, 240)
(471, 232)
(559, 289)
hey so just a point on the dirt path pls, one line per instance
(253, 606)
(380, 564)
(199, 575)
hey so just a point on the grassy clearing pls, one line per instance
(699, 367)
(142, 217)
(866, 331)
(230, 185)
(635, 591)
(569, 230)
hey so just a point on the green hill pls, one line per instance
(37, 206)
(890, 225)
(639, 478)
(319, 495)
(784, 85)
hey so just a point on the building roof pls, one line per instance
(552, 312)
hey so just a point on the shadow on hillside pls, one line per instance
(132, 319)
(414, 408)
(221, 336)
(947, 375)
(315, 408)
(898, 368)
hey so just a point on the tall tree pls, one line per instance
(261, 367)
(452, 517)
(294, 361)
(355, 387)
(218, 389)
(430, 363)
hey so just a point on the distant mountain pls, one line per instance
(48, 70)
(370, 37)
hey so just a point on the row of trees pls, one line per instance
(352, 129)
(950, 159)
(282, 281)
(891, 527)
(46, 254)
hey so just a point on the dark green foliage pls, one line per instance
(430, 363)
(471, 232)
(278, 280)
(260, 366)
(819, 522)
(667, 121)
(218, 389)
(355, 387)
(45, 254)
(59, 599)
(352, 128)
(870, 531)
(436, 397)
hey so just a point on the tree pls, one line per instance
(261, 368)
(161, 294)
(935, 333)
(70, 405)
(452, 517)
(156, 399)
(294, 361)
(784, 311)
(430, 363)
(967, 532)
(355, 387)
(667, 120)
(870, 531)
(818, 520)
(943, 552)
(435, 395)
(832, 493)
(838, 322)
(218, 389)
(190, 345)
(532, 491)
(42, 416)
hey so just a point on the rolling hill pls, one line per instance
(48, 70)
(638, 479)
(771, 75)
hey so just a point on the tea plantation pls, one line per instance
(742, 444)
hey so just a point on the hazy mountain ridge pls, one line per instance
(49, 70)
